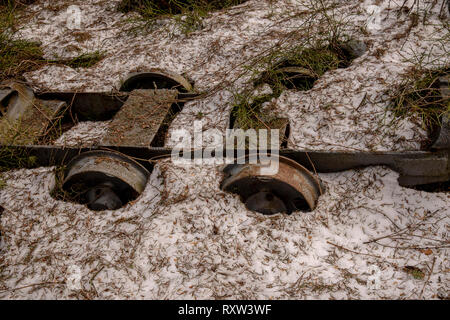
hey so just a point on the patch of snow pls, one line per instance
(84, 134)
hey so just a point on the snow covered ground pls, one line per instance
(184, 238)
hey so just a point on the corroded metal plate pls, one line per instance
(139, 119)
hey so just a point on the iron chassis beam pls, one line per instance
(415, 167)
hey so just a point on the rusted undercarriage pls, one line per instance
(142, 110)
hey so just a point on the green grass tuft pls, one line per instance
(420, 96)
(11, 158)
(310, 63)
(246, 112)
(188, 14)
(85, 60)
(415, 272)
(3, 183)
(16, 56)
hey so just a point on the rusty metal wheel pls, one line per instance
(292, 188)
(104, 180)
(156, 79)
(15, 100)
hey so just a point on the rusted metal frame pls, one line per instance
(415, 167)
(96, 106)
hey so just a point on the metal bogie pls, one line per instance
(106, 178)
(324, 161)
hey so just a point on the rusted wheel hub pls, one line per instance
(105, 180)
(292, 188)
